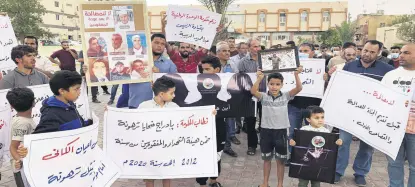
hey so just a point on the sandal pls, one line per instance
(251, 151)
(216, 184)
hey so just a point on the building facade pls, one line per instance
(274, 23)
(388, 36)
(368, 25)
(62, 19)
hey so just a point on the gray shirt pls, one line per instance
(17, 79)
(275, 110)
(248, 65)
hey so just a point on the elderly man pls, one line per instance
(137, 48)
(349, 55)
(242, 52)
(340, 58)
(118, 47)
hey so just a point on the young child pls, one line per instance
(21, 100)
(315, 118)
(275, 121)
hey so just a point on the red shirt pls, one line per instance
(66, 59)
(187, 67)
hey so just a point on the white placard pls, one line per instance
(369, 110)
(162, 143)
(311, 77)
(98, 19)
(191, 25)
(5, 128)
(7, 42)
(75, 156)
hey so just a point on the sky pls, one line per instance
(355, 6)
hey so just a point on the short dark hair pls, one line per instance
(64, 41)
(375, 42)
(21, 99)
(359, 48)
(385, 53)
(290, 43)
(32, 37)
(348, 44)
(64, 79)
(311, 46)
(316, 45)
(275, 76)
(232, 38)
(313, 110)
(395, 47)
(119, 63)
(262, 47)
(20, 51)
(162, 85)
(158, 35)
(213, 49)
(213, 61)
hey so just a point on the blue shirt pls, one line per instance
(376, 71)
(140, 92)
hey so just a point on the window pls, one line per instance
(283, 18)
(282, 36)
(304, 15)
(326, 16)
(56, 3)
(77, 8)
(382, 24)
(262, 17)
(69, 5)
(57, 16)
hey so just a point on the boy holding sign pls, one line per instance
(275, 122)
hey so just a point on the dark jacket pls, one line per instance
(58, 116)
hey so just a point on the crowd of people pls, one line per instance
(279, 112)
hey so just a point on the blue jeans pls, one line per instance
(396, 168)
(114, 91)
(295, 115)
(362, 161)
(230, 131)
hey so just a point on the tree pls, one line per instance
(329, 38)
(346, 31)
(26, 17)
(220, 7)
(406, 29)
(302, 40)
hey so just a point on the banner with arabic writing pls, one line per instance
(190, 25)
(368, 109)
(7, 42)
(76, 158)
(162, 143)
(314, 156)
(5, 138)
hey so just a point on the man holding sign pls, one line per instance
(403, 79)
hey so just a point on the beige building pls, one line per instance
(388, 36)
(275, 23)
(368, 25)
(62, 19)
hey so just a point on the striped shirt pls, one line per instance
(248, 65)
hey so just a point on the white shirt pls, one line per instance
(45, 64)
(311, 128)
(139, 51)
(153, 104)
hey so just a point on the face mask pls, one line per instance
(395, 55)
(317, 52)
(302, 55)
(336, 53)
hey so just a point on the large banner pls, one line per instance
(369, 110)
(5, 134)
(162, 143)
(311, 77)
(314, 156)
(190, 25)
(68, 158)
(229, 92)
(116, 40)
(7, 42)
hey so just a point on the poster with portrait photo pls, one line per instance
(314, 156)
(229, 92)
(99, 69)
(118, 45)
(123, 18)
(137, 44)
(278, 60)
(119, 67)
(97, 45)
(140, 69)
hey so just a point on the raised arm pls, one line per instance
(298, 83)
(255, 88)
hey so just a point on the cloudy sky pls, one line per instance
(355, 6)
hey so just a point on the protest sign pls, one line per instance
(314, 156)
(376, 113)
(7, 42)
(116, 50)
(229, 92)
(75, 156)
(311, 77)
(5, 129)
(162, 143)
(278, 60)
(43, 92)
(191, 25)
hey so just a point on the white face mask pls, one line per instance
(336, 53)
(302, 55)
(317, 52)
(394, 55)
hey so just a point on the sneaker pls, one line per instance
(96, 101)
(216, 184)
(110, 102)
(360, 181)
(230, 152)
(235, 141)
(107, 93)
(337, 178)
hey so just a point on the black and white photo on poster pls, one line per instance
(278, 60)
(314, 156)
(229, 92)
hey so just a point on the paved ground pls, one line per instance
(243, 171)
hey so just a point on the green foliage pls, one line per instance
(26, 17)
(329, 38)
(406, 31)
(346, 31)
(403, 19)
(302, 40)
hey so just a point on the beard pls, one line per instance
(184, 54)
(157, 53)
